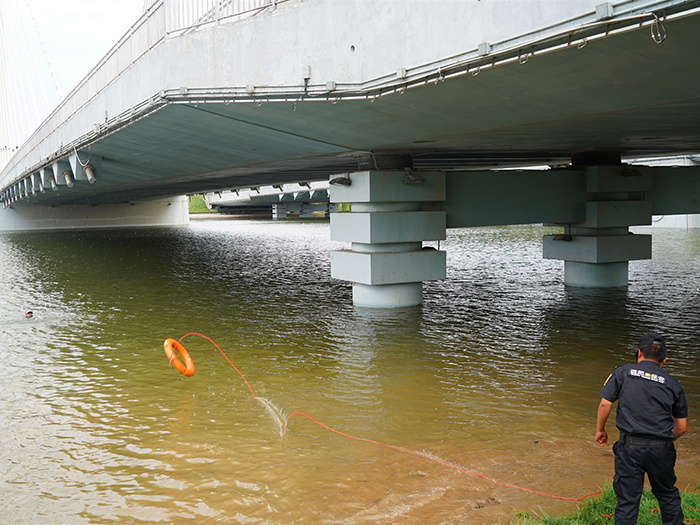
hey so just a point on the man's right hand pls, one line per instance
(601, 437)
(604, 408)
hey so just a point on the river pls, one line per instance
(497, 374)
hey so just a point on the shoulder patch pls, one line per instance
(608, 379)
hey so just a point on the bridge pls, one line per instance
(410, 109)
(305, 200)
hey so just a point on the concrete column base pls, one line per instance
(387, 295)
(596, 275)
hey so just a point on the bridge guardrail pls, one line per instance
(161, 19)
(188, 15)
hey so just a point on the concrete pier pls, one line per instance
(597, 250)
(387, 224)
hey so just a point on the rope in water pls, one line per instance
(225, 357)
(393, 447)
(435, 460)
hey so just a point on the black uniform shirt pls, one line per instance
(649, 399)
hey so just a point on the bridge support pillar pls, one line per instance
(390, 217)
(597, 251)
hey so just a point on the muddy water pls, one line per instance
(496, 375)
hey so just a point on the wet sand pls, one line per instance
(425, 492)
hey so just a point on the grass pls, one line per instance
(599, 511)
(197, 205)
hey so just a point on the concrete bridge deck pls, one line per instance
(305, 89)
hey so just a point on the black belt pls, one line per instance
(637, 440)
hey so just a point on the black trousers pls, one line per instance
(657, 458)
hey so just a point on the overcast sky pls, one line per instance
(78, 33)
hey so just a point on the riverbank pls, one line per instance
(198, 206)
(536, 482)
(600, 511)
(214, 216)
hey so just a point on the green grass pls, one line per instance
(197, 205)
(599, 510)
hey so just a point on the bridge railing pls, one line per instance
(160, 20)
(187, 15)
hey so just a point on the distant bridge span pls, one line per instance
(300, 90)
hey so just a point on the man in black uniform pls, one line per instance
(651, 413)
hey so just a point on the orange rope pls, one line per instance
(692, 521)
(430, 458)
(399, 449)
(225, 356)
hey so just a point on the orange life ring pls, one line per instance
(171, 346)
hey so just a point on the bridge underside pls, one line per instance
(622, 93)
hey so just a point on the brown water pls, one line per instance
(497, 373)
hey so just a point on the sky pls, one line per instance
(76, 34)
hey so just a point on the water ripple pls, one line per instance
(500, 355)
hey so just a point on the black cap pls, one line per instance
(652, 339)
